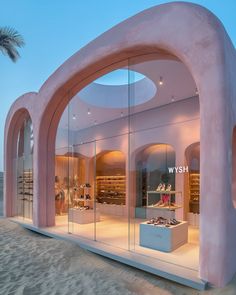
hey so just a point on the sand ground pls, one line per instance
(32, 264)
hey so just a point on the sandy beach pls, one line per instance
(35, 264)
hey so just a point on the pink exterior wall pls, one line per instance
(195, 36)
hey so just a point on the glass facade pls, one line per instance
(24, 172)
(127, 157)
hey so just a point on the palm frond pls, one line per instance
(9, 40)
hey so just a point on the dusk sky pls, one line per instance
(54, 30)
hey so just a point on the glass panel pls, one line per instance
(164, 121)
(62, 171)
(94, 132)
(111, 191)
(62, 167)
(82, 211)
(24, 172)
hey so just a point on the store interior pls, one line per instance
(127, 161)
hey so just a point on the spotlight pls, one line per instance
(161, 81)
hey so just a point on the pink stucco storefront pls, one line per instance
(99, 162)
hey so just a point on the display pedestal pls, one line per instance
(83, 216)
(163, 238)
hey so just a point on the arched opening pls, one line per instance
(23, 171)
(144, 102)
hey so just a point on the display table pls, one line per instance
(163, 238)
(83, 216)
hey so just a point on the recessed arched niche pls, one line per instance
(110, 177)
(152, 165)
(193, 182)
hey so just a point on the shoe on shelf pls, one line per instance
(163, 187)
(168, 188)
(159, 187)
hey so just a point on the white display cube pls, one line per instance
(163, 238)
(83, 216)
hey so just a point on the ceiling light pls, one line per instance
(74, 117)
(172, 98)
(161, 81)
(89, 112)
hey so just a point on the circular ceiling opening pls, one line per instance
(119, 89)
(120, 77)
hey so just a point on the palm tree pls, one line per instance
(9, 40)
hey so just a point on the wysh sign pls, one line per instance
(178, 169)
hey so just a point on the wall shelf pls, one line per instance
(111, 189)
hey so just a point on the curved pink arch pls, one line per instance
(175, 30)
(20, 110)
